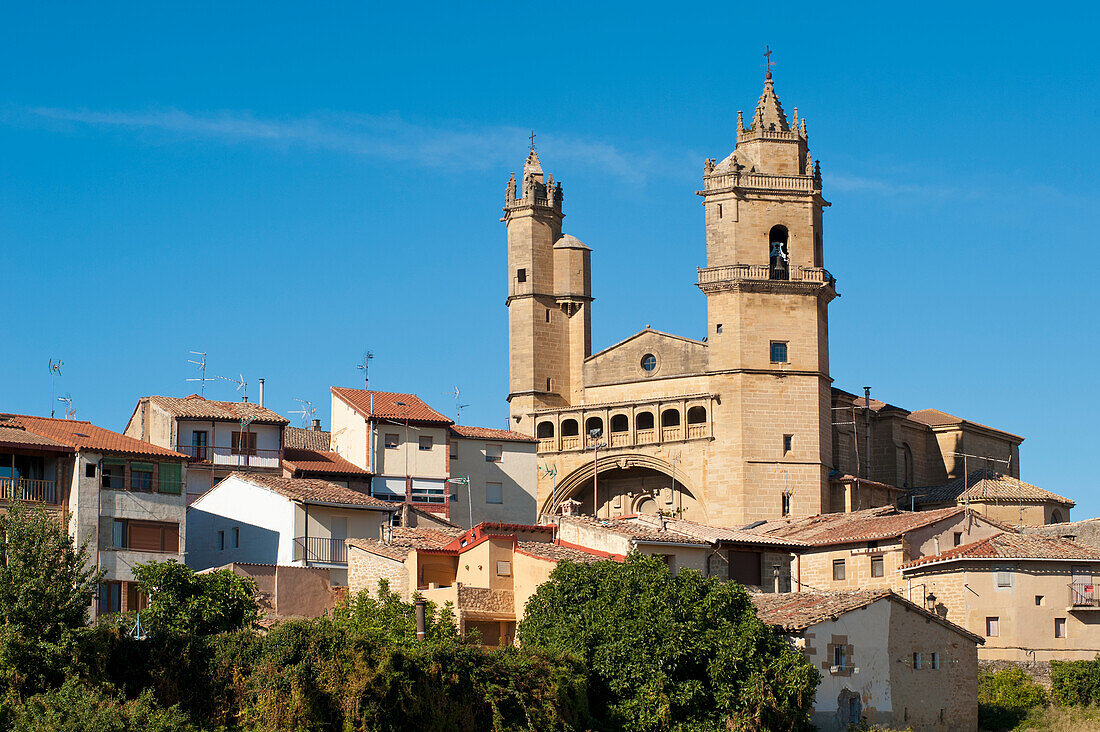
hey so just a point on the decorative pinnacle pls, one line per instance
(768, 63)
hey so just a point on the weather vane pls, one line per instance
(768, 63)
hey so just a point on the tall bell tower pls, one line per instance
(767, 312)
(549, 298)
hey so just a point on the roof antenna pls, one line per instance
(458, 405)
(55, 371)
(365, 368)
(307, 411)
(67, 399)
(242, 385)
(201, 363)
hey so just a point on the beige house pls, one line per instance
(306, 454)
(250, 518)
(998, 496)
(883, 660)
(218, 437)
(498, 470)
(742, 423)
(866, 549)
(122, 496)
(1032, 597)
(487, 573)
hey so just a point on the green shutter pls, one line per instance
(169, 478)
(113, 461)
(143, 467)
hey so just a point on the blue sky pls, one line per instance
(286, 186)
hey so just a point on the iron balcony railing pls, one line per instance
(320, 549)
(224, 455)
(1083, 594)
(29, 490)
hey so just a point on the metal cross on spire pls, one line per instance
(768, 63)
(532, 138)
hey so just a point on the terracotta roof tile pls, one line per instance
(386, 406)
(196, 407)
(1009, 545)
(885, 522)
(82, 435)
(719, 533)
(638, 531)
(554, 552)
(938, 418)
(17, 436)
(848, 478)
(488, 433)
(986, 484)
(314, 490)
(296, 437)
(316, 461)
(404, 540)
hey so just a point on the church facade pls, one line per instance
(735, 428)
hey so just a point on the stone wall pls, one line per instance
(365, 569)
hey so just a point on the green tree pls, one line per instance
(1006, 696)
(187, 604)
(46, 589)
(668, 651)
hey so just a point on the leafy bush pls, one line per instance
(80, 707)
(1075, 682)
(670, 651)
(187, 604)
(1005, 697)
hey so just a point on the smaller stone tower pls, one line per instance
(549, 296)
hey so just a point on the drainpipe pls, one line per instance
(867, 429)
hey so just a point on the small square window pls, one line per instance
(425, 442)
(718, 328)
(916, 661)
(788, 443)
(454, 450)
(1059, 627)
(493, 453)
(1004, 579)
(838, 570)
(958, 538)
(779, 352)
(521, 275)
(839, 656)
(391, 442)
(992, 627)
(1039, 600)
(494, 493)
(504, 568)
(878, 567)
(89, 470)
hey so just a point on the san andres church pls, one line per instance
(745, 424)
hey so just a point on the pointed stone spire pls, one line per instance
(510, 193)
(768, 110)
(533, 164)
(740, 122)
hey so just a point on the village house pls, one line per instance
(883, 660)
(1033, 598)
(997, 496)
(269, 519)
(122, 496)
(866, 549)
(306, 454)
(495, 472)
(218, 437)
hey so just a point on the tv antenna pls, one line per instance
(242, 385)
(67, 400)
(55, 371)
(457, 394)
(201, 363)
(365, 368)
(306, 412)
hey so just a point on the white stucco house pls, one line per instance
(269, 519)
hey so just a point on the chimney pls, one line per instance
(316, 426)
(261, 392)
(775, 578)
(421, 605)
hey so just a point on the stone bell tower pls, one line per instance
(549, 297)
(767, 311)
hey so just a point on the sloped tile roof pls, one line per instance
(827, 529)
(404, 540)
(849, 478)
(719, 533)
(554, 552)
(938, 418)
(314, 490)
(317, 461)
(386, 406)
(15, 435)
(638, 531)
(488, 433)
(798, 611)
(196, 407)
(986, 484)
(297, 437)
(82, 435)
(1009, 545)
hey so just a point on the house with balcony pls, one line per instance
(121, 495)
(1032, 598)
(260, 518)
(218, 437)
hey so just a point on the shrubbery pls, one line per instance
(1075, 682)
(1005, 697)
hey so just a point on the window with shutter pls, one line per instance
(244, 443)
(168, 478)
(145, 537)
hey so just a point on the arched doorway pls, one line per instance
(627, 485)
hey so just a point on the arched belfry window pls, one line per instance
(778, 256)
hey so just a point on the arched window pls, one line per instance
(544, 430)
(778, 256)
(697, 415)
(670, 418)
(647, 505)
(593, 424)
(569, 428)
(643, 421)
(1056, 516)
(908, 477)
(620, 423)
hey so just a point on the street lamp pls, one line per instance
(595, 434)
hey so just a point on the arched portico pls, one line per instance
(626, 484)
